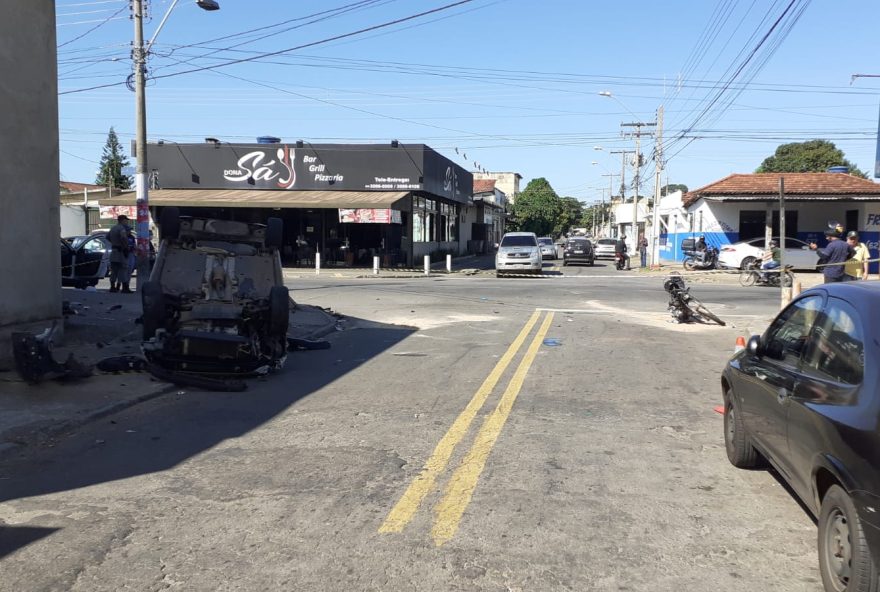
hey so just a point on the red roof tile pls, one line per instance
(484, 185)
(800, 184)
(76, 187)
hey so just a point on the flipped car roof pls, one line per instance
(257, 198)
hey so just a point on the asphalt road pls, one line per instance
(462, 433)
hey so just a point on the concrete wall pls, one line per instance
(506, 182)
(73, 220)
(29, 218)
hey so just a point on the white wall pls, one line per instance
(73, 220)
(29, 218)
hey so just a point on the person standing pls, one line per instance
(856, 267)
(118, 238)
(833, 256)
(643, 250)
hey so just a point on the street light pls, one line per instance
(141, 180)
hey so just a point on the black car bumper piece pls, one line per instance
(209, 353)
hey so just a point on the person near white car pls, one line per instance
(856, 267)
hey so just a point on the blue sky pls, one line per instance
(512, 84)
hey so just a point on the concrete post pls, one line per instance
(449, 263)
(375, 265)
(427, 264)
(317, 263)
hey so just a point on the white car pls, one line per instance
(740, 255)
(604, 247)
(548, 248)
(518, 252)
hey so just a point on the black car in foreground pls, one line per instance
(805, 396)
(578, 249)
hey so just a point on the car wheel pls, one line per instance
(274, 233)
(740, 451)
(279, 311)
(844, 558)
(169, 223)
(154, 309)
(747, 262)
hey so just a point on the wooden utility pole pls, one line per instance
(785, 294)
(655, 218)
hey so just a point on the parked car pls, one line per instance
(740, 255)
(216, 301)
(84, 262)
(604, 247)
(518, 252)
(578, 250)
(803, 397)
(548, 248)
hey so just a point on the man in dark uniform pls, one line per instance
(833, 256)
(118, 238)
(620, 249)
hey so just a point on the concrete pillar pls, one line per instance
(29, 192)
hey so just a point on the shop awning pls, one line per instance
(256, 198)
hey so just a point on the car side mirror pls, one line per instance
(754, 345)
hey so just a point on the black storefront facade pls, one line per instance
(348, 202)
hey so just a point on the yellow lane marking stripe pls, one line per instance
(448, 512)
(423, 483)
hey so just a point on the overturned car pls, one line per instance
(216, 301)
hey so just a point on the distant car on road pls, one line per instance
(740, 255)
(805, 396)
(578, 250)
(518, 252)
(604, 247)
(548, 248)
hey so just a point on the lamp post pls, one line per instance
(139, 55)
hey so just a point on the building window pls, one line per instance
(424, 219)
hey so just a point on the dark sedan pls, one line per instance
(85, 261)
(802, 397)
(578, 250)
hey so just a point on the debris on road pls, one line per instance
(34, 361)
(684, 307)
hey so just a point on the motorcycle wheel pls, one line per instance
(689, 264)
(748, 278)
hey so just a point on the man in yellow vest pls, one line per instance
(856, 267)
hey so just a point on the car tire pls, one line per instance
(279, 311)
(737, 443)
(747, 262)
(153, 302)
(169, 223)
(845, 561)
(274, 233)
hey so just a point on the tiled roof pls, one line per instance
(76, 187)
(803, 185)
(484, 186)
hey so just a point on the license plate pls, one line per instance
(579, 252)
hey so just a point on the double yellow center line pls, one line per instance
(460, 488)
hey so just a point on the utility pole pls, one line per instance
(623, 154)
(655, 218)
(610, 195)
(142, 186)
(638, 166)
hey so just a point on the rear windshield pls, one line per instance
(522, 240)
(578, 242)
(607, 241)
(545, 241)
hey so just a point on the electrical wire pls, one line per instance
(100, 24)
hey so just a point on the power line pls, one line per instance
(100, 24)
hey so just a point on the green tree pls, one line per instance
(572, 215)
(814, 156)
(113, 160)
(672, 188)
(537, 208)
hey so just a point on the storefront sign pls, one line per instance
(335, 167)
(116, 211)
(369, 216)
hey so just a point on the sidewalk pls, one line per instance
(464, 264)
(103, 327)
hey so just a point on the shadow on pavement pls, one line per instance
(15, 537)
(159, 434)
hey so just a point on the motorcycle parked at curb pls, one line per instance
(753, 275)
(694, 261)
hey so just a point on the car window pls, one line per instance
(607, 241)
(518, 241)
(787, 336)
(545, 241)
(95, 245)
(836, 347)
(793, 243)
(757, 242)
